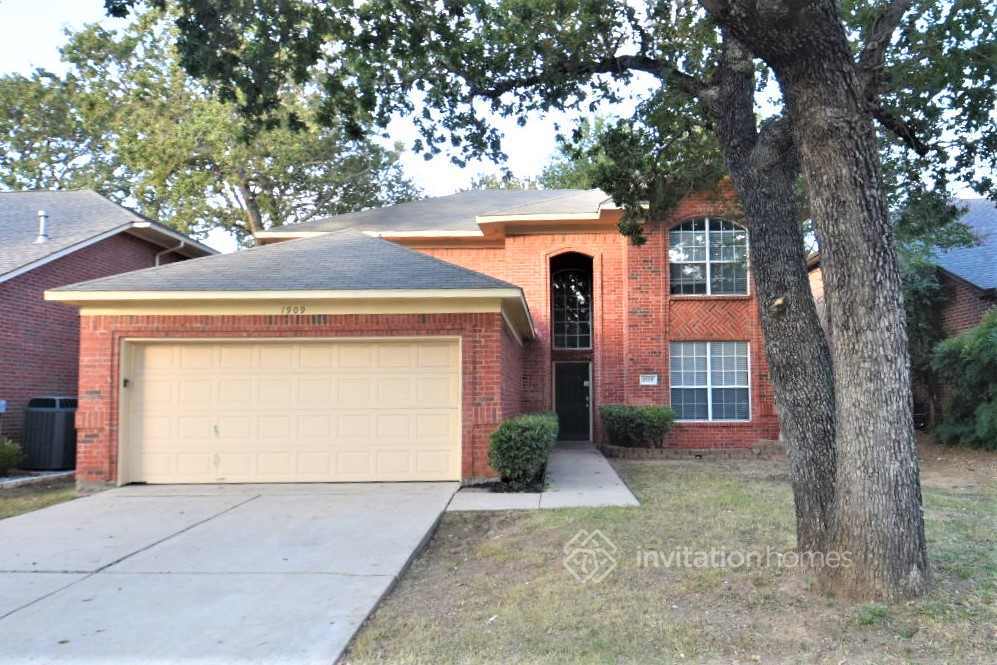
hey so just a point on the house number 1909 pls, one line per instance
(292, 309)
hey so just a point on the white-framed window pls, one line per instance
(710, 380)
(708, 257)
(572, 299)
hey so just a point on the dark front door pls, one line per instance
(572, 400)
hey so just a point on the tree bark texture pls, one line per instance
(876, 516)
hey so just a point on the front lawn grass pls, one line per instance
(492, 588)
(24, 499)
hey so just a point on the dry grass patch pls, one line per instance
(492, 588)
(24, 499)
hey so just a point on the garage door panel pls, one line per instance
(436, 462)
(274, 392)
(353, 392)
(235, 390)
(354, 426)
(356, 356)
(438, 355)
(399, 391)
(436, 391)
(354, 464)
(314, 391)
(196, 356)
(393, 426)
(195, 428)
(396, 356)
(312, 427)
(237, 356)
(296, 411)
(197, 392)
(317, 356)
(235, 427)
(278, 356)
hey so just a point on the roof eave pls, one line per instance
(169, 238)
(514, 306)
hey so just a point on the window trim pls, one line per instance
(709, 277)
(709, 381)
(553, 310)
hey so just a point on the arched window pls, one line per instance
(708, 257)
(572, 299)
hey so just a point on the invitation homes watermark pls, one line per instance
(687, 557)
(591, 556)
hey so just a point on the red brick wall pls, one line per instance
(964, 305)
(634, 319)
(39, 340)
(512, 374)
(484, 385)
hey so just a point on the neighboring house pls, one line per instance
(388, 344)
(85, 236)
(968, 274)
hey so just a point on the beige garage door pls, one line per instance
(200, 412)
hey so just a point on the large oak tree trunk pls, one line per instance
(764, 168)
(877, 512)
(876, 517)
(795, 346)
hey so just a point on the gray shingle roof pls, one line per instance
(977, 265)
(457, 212)
(342, 261)
(73, 217)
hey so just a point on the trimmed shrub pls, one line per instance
(967, 365)
(520, 447)
(636, 426)
(10, 455)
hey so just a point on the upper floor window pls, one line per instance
(708, 257)
(572, 309)
(571, 301)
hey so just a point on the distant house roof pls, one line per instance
(75, 219)
(340, 261)
(978, 264)
(460, 213)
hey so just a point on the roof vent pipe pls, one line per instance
(42, 231)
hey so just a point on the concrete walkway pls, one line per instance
(212, 574)
(578, 476)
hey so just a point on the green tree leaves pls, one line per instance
(128, 120)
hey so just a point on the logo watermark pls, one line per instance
(590, 556)
(687, 557)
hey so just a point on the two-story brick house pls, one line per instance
(387, 344)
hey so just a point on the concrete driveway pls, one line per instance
(206, 573)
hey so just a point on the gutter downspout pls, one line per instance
(168, 250)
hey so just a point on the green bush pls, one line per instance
(636, 426)
(520, 448)
(967, 365)
(10, 456)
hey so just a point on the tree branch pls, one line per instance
(899, 127)
(874, 51)
(610, 65)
